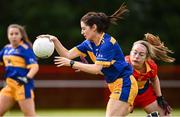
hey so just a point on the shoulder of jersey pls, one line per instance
(25, 46)
(8, 45)
(110, 38)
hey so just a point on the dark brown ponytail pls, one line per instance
(102, 20)
(118, 14)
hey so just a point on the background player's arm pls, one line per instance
(33, 69)
(156, 86)
(160, 99)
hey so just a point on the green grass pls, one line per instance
(80, 113)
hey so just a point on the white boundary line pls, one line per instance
(89, 84)
(170, 83)
(70, 83)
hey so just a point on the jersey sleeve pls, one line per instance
(82, 48)
(154, 68)
(30, 58)
(105, 55)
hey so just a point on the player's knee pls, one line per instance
(30, 114)
(2, 111)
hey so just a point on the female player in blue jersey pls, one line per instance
(107, 56)
(20, 67)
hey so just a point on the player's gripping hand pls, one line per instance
(23, 80)
(50, 37)
(164, 105)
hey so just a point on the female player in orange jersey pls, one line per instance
(20, 67)
(145, 71)
(108, 59)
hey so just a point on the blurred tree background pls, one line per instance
(62, 19)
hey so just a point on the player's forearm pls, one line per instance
(156, 85)
(89, 68)
(33, 71)
(62, 51)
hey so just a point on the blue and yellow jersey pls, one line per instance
(108, 54)
(17, 61)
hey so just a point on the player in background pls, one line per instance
(107, 56)
(145, 71)
(20, 68)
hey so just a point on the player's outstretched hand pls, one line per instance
(61, 61)
(50, 37)
(164, 105)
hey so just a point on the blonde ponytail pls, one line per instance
(160, 51)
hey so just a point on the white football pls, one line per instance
(43, 47)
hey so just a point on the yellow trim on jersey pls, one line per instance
(141, 84)
(133, 91)
(148, 68)
(113, 61)
(113, 41)
(23, 45)
(92, 56)
(1, 63)
(104, 63)
(100, 39)
(31, 65)
(15, 61)
(78, 51)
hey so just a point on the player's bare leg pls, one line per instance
(28, 107)
(5, 104)
(117, 108)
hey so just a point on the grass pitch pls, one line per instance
(79, 113)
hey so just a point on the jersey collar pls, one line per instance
(102, 36)
(148, 68)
